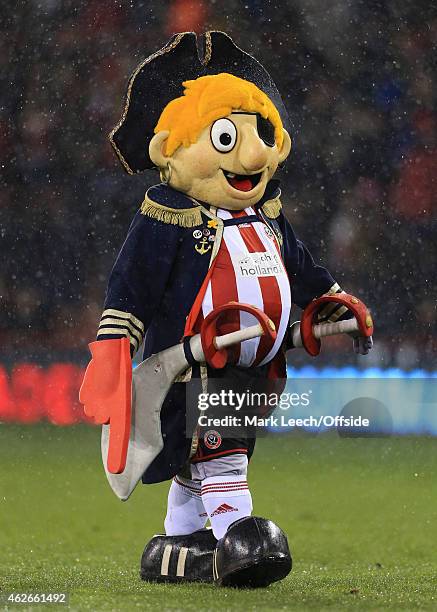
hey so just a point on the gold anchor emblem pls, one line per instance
(202, 247)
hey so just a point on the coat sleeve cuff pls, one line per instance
(119, 324)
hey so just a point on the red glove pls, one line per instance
(106, 394)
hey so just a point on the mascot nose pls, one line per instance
(253, 151)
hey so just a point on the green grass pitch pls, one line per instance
(360, 514)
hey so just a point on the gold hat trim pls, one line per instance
(166, 49)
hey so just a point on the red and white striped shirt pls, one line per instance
(249, 269)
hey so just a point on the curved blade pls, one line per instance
(151, 382)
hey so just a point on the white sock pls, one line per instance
(185, 511)
(226, 499)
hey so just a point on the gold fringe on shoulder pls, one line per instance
(184, 217)
(272, 208)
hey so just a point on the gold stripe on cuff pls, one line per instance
(327, 310)
(334, 289)
(337, 314)
(113, 331)
(123, 315)
(124, 323)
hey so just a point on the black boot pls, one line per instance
(253, 553)
(185, 558)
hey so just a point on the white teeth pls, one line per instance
(230, 174)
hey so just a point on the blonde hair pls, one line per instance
(209, 98)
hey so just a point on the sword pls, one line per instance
(153, 378)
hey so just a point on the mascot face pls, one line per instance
(227, 161)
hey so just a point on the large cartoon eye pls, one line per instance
(223, 135)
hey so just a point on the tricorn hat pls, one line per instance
(158, 79)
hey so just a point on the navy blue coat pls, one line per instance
(158, 274)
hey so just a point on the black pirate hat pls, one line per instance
(158, 80)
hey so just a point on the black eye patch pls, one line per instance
(266, 130)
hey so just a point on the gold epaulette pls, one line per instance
(184, 217)
(272, 208)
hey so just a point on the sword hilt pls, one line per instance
(323, 330)
(214, 345)
(363, 320)
(248, 333)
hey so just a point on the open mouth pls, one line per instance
(242, 182)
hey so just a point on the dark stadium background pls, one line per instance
(359, 80)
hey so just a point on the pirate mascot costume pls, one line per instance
(211, 234)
